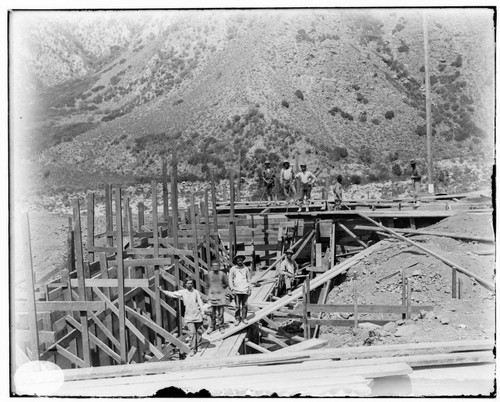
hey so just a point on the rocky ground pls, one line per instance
(472, 317)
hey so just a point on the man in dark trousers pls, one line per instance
(337, 193)
(218, 283)
(268, 178)
(416, 178)
(240, 285)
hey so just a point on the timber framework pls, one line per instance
(103, 316)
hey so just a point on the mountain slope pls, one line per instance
(331, 86)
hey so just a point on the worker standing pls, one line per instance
(287, 177)
(416, 178)
(217, 285)
(286, 272)
(193, 311)
(307, 180)
(337, 193)
(240, 285)
(268, 177)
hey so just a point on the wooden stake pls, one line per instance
(34, 352)
(232, 223)
(140, 215)
(90, 225)
(165, 192)
(453, 283)
(81, 281)
(109, 215)
(157, 301)
(175, 235)
(355, 296)
(403, 290)
(207, 231)
(304, 318)
(333, 246)
(408, 298)
(121, 277)
(195, 245)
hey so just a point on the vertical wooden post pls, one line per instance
(355, 296)
(459, 288)
(165, 192)
(81, 281)
(195, 245)
(403, 290)
(128, 222)
(121, 276)
(333, 246)
(140, 215)
(109, 215)
(175, 226)
(30, 292)
(157, 302)
(453, 283)
(304, 318)
(90, 225)
(232, 227)
(239, 177)
(308, 302)
(408, 298)
(207, 231)
(327, 191)
(214, 212)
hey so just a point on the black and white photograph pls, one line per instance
(243, 201)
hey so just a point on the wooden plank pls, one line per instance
(30, 308)
(70, 356)
(305, 345)
(214, 208)
(109, 214)
(318, 281)
(142, 262)
(175, 227)
(163, 303)
(162, 251)
(345, 323)
(483, 282)
(207, 231)
(195, 244)
(257, 347)
(130, 326)
(158, 317)
(364, 308)
(165, 191)
(82, 306)
(90, 225)
(415, 355)
(157, 329)
(112, 283)
(81, 281)
(121, 277)
(106, 331)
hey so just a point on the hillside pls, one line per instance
(109, 94)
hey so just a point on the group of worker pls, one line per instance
(222, 289)
(287, 179)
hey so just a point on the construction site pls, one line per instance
(389, 300)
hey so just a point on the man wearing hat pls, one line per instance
(268, 178)
(217, 285)
(193, 306)
(307, 179)
(416, 178)
(287, 177)
(286, 272)
(240, 285)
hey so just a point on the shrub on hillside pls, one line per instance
(393, 156)
(285, 103)
(403, 48)
(362, 117)
(389, 115)
(303, 36)
(178, 102)
(375, 121)
(396, 170)
(458, 61)
(365, 155)
(355, 179)
(299, 94)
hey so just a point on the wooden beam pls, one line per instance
(120, 271)
(82, 306)
(305, 345)
(483, 282)
(207, 231)
(70, 356)
(34, 351)
(175, 228)
(425, 232)
(90, 225)
(156, 300)
(256, 347)
(364, 308)
(345, 323)
(165, 191)
(81, 282)
(195, 244)
(352, 235)
(112, 283)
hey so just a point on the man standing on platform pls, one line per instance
(416, 178)
(268, 177)
(193, 306)
(286, 272)
(287, 177)
(337, 193)
(217, 282)
(240, 285)
(307, 179)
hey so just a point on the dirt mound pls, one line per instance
(471, 317)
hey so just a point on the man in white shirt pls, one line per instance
(287, 176)
(193, 311)
(240, 285)
(307, 180)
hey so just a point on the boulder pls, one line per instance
(405, 330)
(390, 327)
